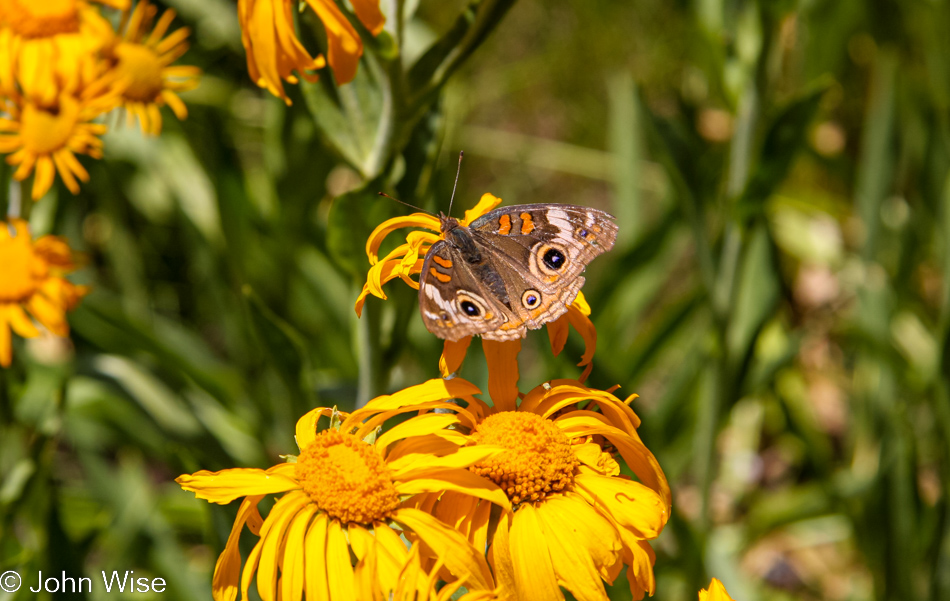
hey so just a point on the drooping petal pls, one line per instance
(629, 503)
(502, 360)
(227, 570)
(453, 353)
(379, 234)
(370, 15)
(499, 555)
(307, 426)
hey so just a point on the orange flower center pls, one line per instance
(347, 478)
(40, 18)
(540, 460)
(45, 130)
(22, 269)
(141, 69)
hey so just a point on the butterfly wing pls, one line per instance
(457, 299)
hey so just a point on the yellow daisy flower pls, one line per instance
(32, 285)
(716, 592)
(46, 137)
(142, 66)
(406, 261)
(48, 45)
(342, 499)
(274, 52)
(576, 521)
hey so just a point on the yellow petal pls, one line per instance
(339, 569)
(227, 570)
(716, 592)
(535, 578)
(486, 203)
(20, 323)
(453, 353)
(419, 426)
(306, 430)
(582, 323)
(557, 333)
(435, 389)
(292, 567)
(631, 504)
(456, 553)
(572, 564)
(6, 344)
(502, 360)
(225, 486)
(458, 480)
(596, 535)
(460, 458)
(376, 238)
(499, 555)
(640, 573)
(315, 552)
(370, 15)
(272, 536)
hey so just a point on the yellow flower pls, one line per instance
(47, 137)
(142, 67)
(342, 500)
(49, 45)
(32, 285)
(576, 521)
(406, 261)
(274, 52)
(716, 592)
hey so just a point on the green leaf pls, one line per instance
(284, 347)
(785, 137)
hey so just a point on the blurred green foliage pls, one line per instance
(779, 296)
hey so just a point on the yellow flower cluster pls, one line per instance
(518, 499)
(63, 65)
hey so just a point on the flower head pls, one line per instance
(342, 499)
(716, 592)
(576, 521)
(51, 45)
(142, 65)
(274, 51)
(46, 137)
(32, 285)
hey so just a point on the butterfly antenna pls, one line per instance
(404, 203)
(461, 154)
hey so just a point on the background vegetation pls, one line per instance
(779, 296)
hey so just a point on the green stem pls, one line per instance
(369, 355)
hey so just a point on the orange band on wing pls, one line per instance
(504, 225)
(442, 277)
(442, 262)
(527, 225)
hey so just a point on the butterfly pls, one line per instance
(513, 269)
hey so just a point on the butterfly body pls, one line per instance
(513, 269)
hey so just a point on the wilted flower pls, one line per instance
(274, 51)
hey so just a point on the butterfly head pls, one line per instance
(447, 224)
